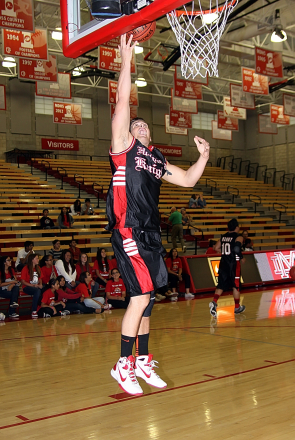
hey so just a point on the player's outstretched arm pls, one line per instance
(121, 138)
(190, 177)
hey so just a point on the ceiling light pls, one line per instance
(77, 71)
(209, 18)
(8, 62)
(57, 34)
(138, 49)
(278, 36)
(141, 82)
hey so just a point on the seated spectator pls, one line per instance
(50, 306)
(31, 279)
(211, 249)
(87, 208)
(201, 202)
(186, 219)
(84, 288)
(48, 270)
(65, 267)
(23, 255)
(193, 201)
(116, 291)
(65, 220)
(75, 251)
(46, 222)
(175, 274)
(76, 208)
(250, 246)
(73, 300)
(84, 266)
(101, 267)
(9, 286)
(56, 251)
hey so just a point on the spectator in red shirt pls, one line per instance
(211, 249)
(73, 300)
(84, 288)
(175, 274)
(84, 266)
(48, 270)
(113, 264)
(101, 267)
(9, 286)
(31, 279)
(50, 306)
(65, 220)
(75, 251)
(116, 291)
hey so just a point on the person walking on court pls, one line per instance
(132, 209)
(177, 228)
(229, 269)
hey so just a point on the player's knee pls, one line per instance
(148, 311)
(140, 302)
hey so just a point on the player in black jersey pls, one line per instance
(132, 209)
(229, 269)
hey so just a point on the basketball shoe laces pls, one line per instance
(151, 365)
(129, 367)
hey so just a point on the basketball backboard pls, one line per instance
(82, 33)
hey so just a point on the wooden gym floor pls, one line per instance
(230, 380)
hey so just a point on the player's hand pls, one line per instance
(203, 147)
(126, 48)
(243, 260)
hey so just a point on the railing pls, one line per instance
(249, 168)
(215, 186)
(79, 183)
(267, 175)
(281, 212)
(234, 165)
(46, 161)
(56, 156)
(286, 180)
(275, 176)
(62, 176)
(224, 160)
(240, 167)
(257, 170)
(254, 201)
(233, 195)
(196, 237)
(97, 192)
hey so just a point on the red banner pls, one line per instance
(61, 89)
(169, 151)
(268, 62)
(233, 112)
(254, 83)
(115, 42)
(109, 58)
(277, 115)
(67, 113)
(241, 99)
(38, 70)
(289, 104)
(218, 133)
(187, 89)
(180, 119)
(266, 126)
(25, 44)
(174, 130)
(133, 111)
(17, 14)
(226, 122)
(183, 104)
(113, 90)
(59, 144)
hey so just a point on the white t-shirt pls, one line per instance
(21, 254)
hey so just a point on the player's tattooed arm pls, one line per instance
(169, 173)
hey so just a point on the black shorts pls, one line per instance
(229, 276)
(139, 255)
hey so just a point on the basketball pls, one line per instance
(143, 33)
(292, 273)
(2, 317)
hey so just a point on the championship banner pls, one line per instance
(227, 123)
(289, 104)
(61, 89)
(266, 126)
(2, 98)
(25, 44)
(109, 58)
(133, 111)
(183, 105)
(187, 89)
(268, 62)
(197, 79)
(167, 150)
(241, 99)
(59, 144)
(277, 115)
(67, 113)
(233, 112)
(217, 133)
(17, 14)
(115, 42)
(254, 83)
(38, 70)
(180, 119)
(174, 130)
(112, 88)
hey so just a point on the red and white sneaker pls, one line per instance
(35, 315)
(123, 372)
(144, 368)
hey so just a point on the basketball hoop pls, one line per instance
(198, 34)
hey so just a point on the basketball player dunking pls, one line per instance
(132, 209)
(229, 269)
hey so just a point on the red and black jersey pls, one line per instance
(133, 195)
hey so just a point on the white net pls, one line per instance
(198, 33)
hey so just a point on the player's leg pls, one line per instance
(236, 290)
(213, 303)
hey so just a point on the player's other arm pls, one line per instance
(217, 247)
(191, 176)
(121, 137)
(238, 247)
